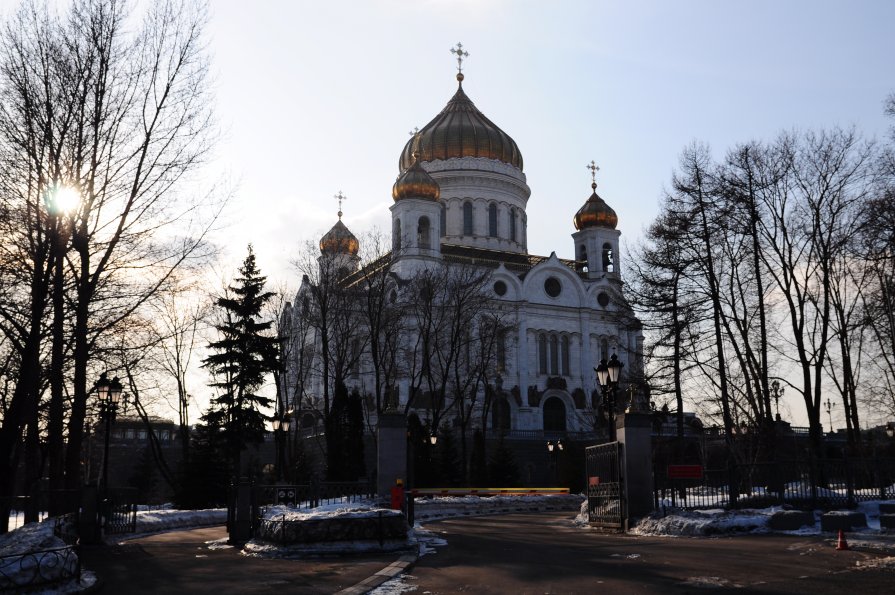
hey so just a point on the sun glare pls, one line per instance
(63, 199)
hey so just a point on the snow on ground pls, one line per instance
(353, 510)
(24, 555)
(677, 522)
(151, 521)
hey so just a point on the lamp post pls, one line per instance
(776, 393)
(553, 450)
(607, 377)
(829, 407)
(280, 430)
(108, 394)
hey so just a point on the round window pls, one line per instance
(552, 287)
(603, 299)
(500, 288)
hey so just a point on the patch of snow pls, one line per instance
(887, 563)
(708, 582)
(150, 521)
(24, 550)
(705, 522)
(356, 510)
(219, 544)
(395, 586)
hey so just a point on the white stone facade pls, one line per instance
(569, 314)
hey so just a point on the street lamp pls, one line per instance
(777, 392)
(553, 450)
(607, 377)
(433, 439)
(829, 407)
(280, 428)
(108, 394)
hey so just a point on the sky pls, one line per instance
(319, 97)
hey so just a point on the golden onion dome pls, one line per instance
(339, 240)
(415, 182)
(461, 130)
(595, 213)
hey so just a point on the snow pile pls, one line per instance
(25, 560)
(719, 521)
(356, 510)
(705, 522)
(887, 563)
(150, 521)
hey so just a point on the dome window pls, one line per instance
(467, 218)
(422, 234)
(603, 299)
(500, 288)
(552, 287)
(492, 220)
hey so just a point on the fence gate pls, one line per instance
(605, 487)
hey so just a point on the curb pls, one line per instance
(389, 572)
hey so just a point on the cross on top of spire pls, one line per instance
(460, 53)
(340, 197)
(415, 133)
(594, 168)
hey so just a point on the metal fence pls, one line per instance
(605, 486)
(39, 570)
(818, 484)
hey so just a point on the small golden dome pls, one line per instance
(595, 213)
(339, 240)
(416, 183)
(461, 130)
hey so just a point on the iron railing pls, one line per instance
(39, 570)
(817, 484)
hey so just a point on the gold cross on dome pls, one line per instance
(415, 131)
(460, 55)
(594, 168)
(340, 197)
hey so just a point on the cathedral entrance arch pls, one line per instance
(500, 415)
(554, 415)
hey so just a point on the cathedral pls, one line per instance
(461, 197)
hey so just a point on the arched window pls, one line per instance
(565, 355)
(608, 260)
(554, 415)
(524, 229)
(422, 234)
(604, 350)
(467, 218)
(554, 355)
(513, 224)
(500, 414)
(443, 221)
(396, 235)
(492, 220)
(542, 354)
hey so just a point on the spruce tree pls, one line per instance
(244, 354)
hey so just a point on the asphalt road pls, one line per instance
(181, 562)
(544, 553)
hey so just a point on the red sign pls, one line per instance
(684, 471)
(593, 481)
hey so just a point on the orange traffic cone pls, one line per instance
(842, 545)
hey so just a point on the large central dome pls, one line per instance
(461, 130)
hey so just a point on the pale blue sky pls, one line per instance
(318, 97)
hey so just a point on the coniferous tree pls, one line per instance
(243, 355)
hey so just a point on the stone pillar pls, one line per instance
(634, 431)
(88, 521)
(241, 523)
(391, 457)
